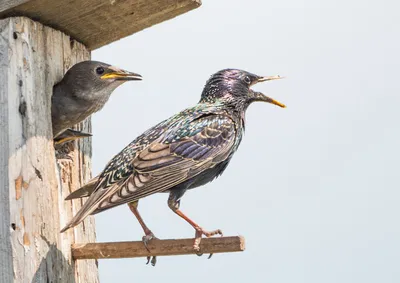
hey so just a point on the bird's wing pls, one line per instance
(166, 162)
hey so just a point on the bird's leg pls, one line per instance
(148, 234)
(174, 203)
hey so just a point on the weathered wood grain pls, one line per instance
(157, 248)
(32, 210)
(98, 22)
(8, 4)
(6, 263)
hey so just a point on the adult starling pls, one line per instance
(183, 152)
(84, 90)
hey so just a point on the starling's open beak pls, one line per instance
(121, 75)
(258, 96)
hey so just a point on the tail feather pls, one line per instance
(85, 210)
(91, 205)
(84, 191)
(78, 218)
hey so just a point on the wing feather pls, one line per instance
(181, 154)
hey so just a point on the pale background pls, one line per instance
(314, 188)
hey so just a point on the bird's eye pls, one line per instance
(100, 70)
(247, 80)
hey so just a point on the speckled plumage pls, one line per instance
(185, 151)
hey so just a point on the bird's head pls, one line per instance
(93, 77)
(232, 87)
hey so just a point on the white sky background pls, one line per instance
(314, 188)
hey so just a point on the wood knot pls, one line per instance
(71, 43)
(38, 174)
(22, 108)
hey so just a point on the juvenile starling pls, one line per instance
(183, 152)
(84, 90)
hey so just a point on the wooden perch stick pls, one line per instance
(157, 248)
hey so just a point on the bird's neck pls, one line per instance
(237, 111)
(233, 105)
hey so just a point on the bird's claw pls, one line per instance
(200, 254)
(153, 260)
(146, 239)
(199, 232)
(209, 234)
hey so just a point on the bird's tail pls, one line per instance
(70, 224)
(70, 135)
(78, 218)
(84, 191)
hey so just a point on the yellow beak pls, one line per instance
(115, 73)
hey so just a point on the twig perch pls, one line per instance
(157, 248)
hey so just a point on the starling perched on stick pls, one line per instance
(84, 90)
(183, 152)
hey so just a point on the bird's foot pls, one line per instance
(153, 260)
(200, 232)
(146, 239)
(200, 254)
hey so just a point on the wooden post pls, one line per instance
(33, 185)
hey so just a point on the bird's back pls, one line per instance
(121, 164)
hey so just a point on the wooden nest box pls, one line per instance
(97, 22)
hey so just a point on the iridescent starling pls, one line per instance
(84, 90)
(183, 152)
